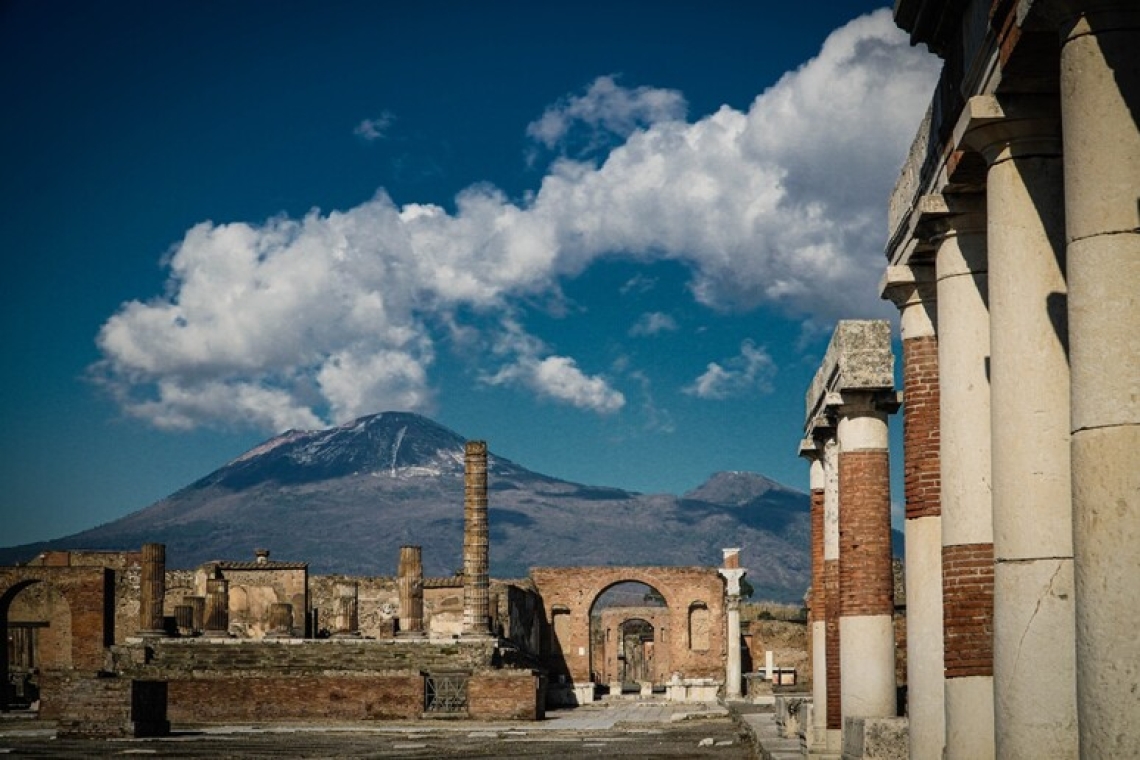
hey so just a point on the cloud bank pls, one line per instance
(301, 322)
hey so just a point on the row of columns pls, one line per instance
(852, 602)
(209, 615)
(1028, 295)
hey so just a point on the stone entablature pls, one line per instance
(858, 358)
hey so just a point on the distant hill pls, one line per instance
(345, 499)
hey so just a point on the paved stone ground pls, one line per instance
(625, 729)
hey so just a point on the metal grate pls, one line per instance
(445, 693)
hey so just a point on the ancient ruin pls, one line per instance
(1013, 259)
(116, 644)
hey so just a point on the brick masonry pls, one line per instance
(922, 479)
(968, 609)
(831, 645)
(818, 596)
(572, 591)
(866, 583)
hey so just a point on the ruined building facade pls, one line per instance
(114, 643)
(1014, 258)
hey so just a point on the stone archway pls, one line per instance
(569, 594)
(78, 604)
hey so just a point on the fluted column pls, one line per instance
(184, 619)
(476, 620)
(152, 590)
(866, 580)
(1034, 613)
(217, 607)
(966, 501)
(912, 289)
(1100, 100)
(411, 582)
(198, 605)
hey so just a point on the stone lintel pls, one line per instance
(859, 358)
(989, 120)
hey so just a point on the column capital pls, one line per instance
(732, 576)
(912, 288)
(1009, 127)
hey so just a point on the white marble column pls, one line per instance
(967, 515)
(1034, 637)
(732, 572)
(1100, 103)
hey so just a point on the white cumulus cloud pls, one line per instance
(297, 322)
(604, 109)
(653, 323)
(750, 371)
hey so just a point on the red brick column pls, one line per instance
(866, 581)
(866, 585)
(834, 710)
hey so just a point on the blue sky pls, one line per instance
(609, 238)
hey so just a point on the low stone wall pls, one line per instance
(103, 704)
(229, 699)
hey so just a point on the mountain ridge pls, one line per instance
(345, 498)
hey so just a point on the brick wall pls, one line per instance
(968, 609)
(506, 695)
(305, 697)
(922, 481)
(575, 589)
(865, 580)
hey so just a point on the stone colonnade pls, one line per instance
(846, 442)
(1015, 262)
(476, 560)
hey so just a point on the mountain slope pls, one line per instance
(345, 500)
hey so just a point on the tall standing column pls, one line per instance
(866, 581)
(834, 674)
(912, 289)
(1100, 100)
(411, 582)
(732, 573)
(1034, 614)
(813, 452)
(476, 620)
(152, 590)
(217, 607)
(967, 515)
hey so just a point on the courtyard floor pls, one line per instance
(620, 728)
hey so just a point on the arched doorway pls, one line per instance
(626, 621)
(36, 620)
